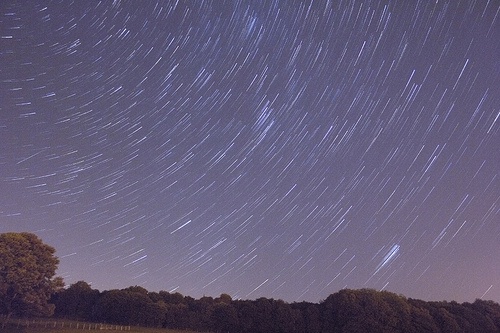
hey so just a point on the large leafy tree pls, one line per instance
(27, 275)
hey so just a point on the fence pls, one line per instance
(59, 324)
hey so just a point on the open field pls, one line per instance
(65, 326)
(75, 330)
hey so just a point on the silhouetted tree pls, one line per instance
(137, 289)
(129, 308)
(247, 315)
(27, 275)
(421, 319)
(224, 318)
(172, 298)
(469, 319)
(176, 316)
(76, 302)
(489, 309)
(311, 317)
(155, 297)
(286, 319)
(443, 318)
(366, 310)
(224, 298)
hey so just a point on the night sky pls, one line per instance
(283, 149)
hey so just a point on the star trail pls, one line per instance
(285, 149)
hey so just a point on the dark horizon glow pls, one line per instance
(280, 149)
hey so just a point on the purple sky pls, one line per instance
(284, 149)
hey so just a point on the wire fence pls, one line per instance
(58, 324)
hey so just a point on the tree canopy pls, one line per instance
(27, 275)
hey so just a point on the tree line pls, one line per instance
(29, 287)
(363, 310)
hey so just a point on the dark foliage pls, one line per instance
(27, 275)
(348, 310)
(76, 302)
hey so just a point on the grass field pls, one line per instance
(65, 326)
(74, 330)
